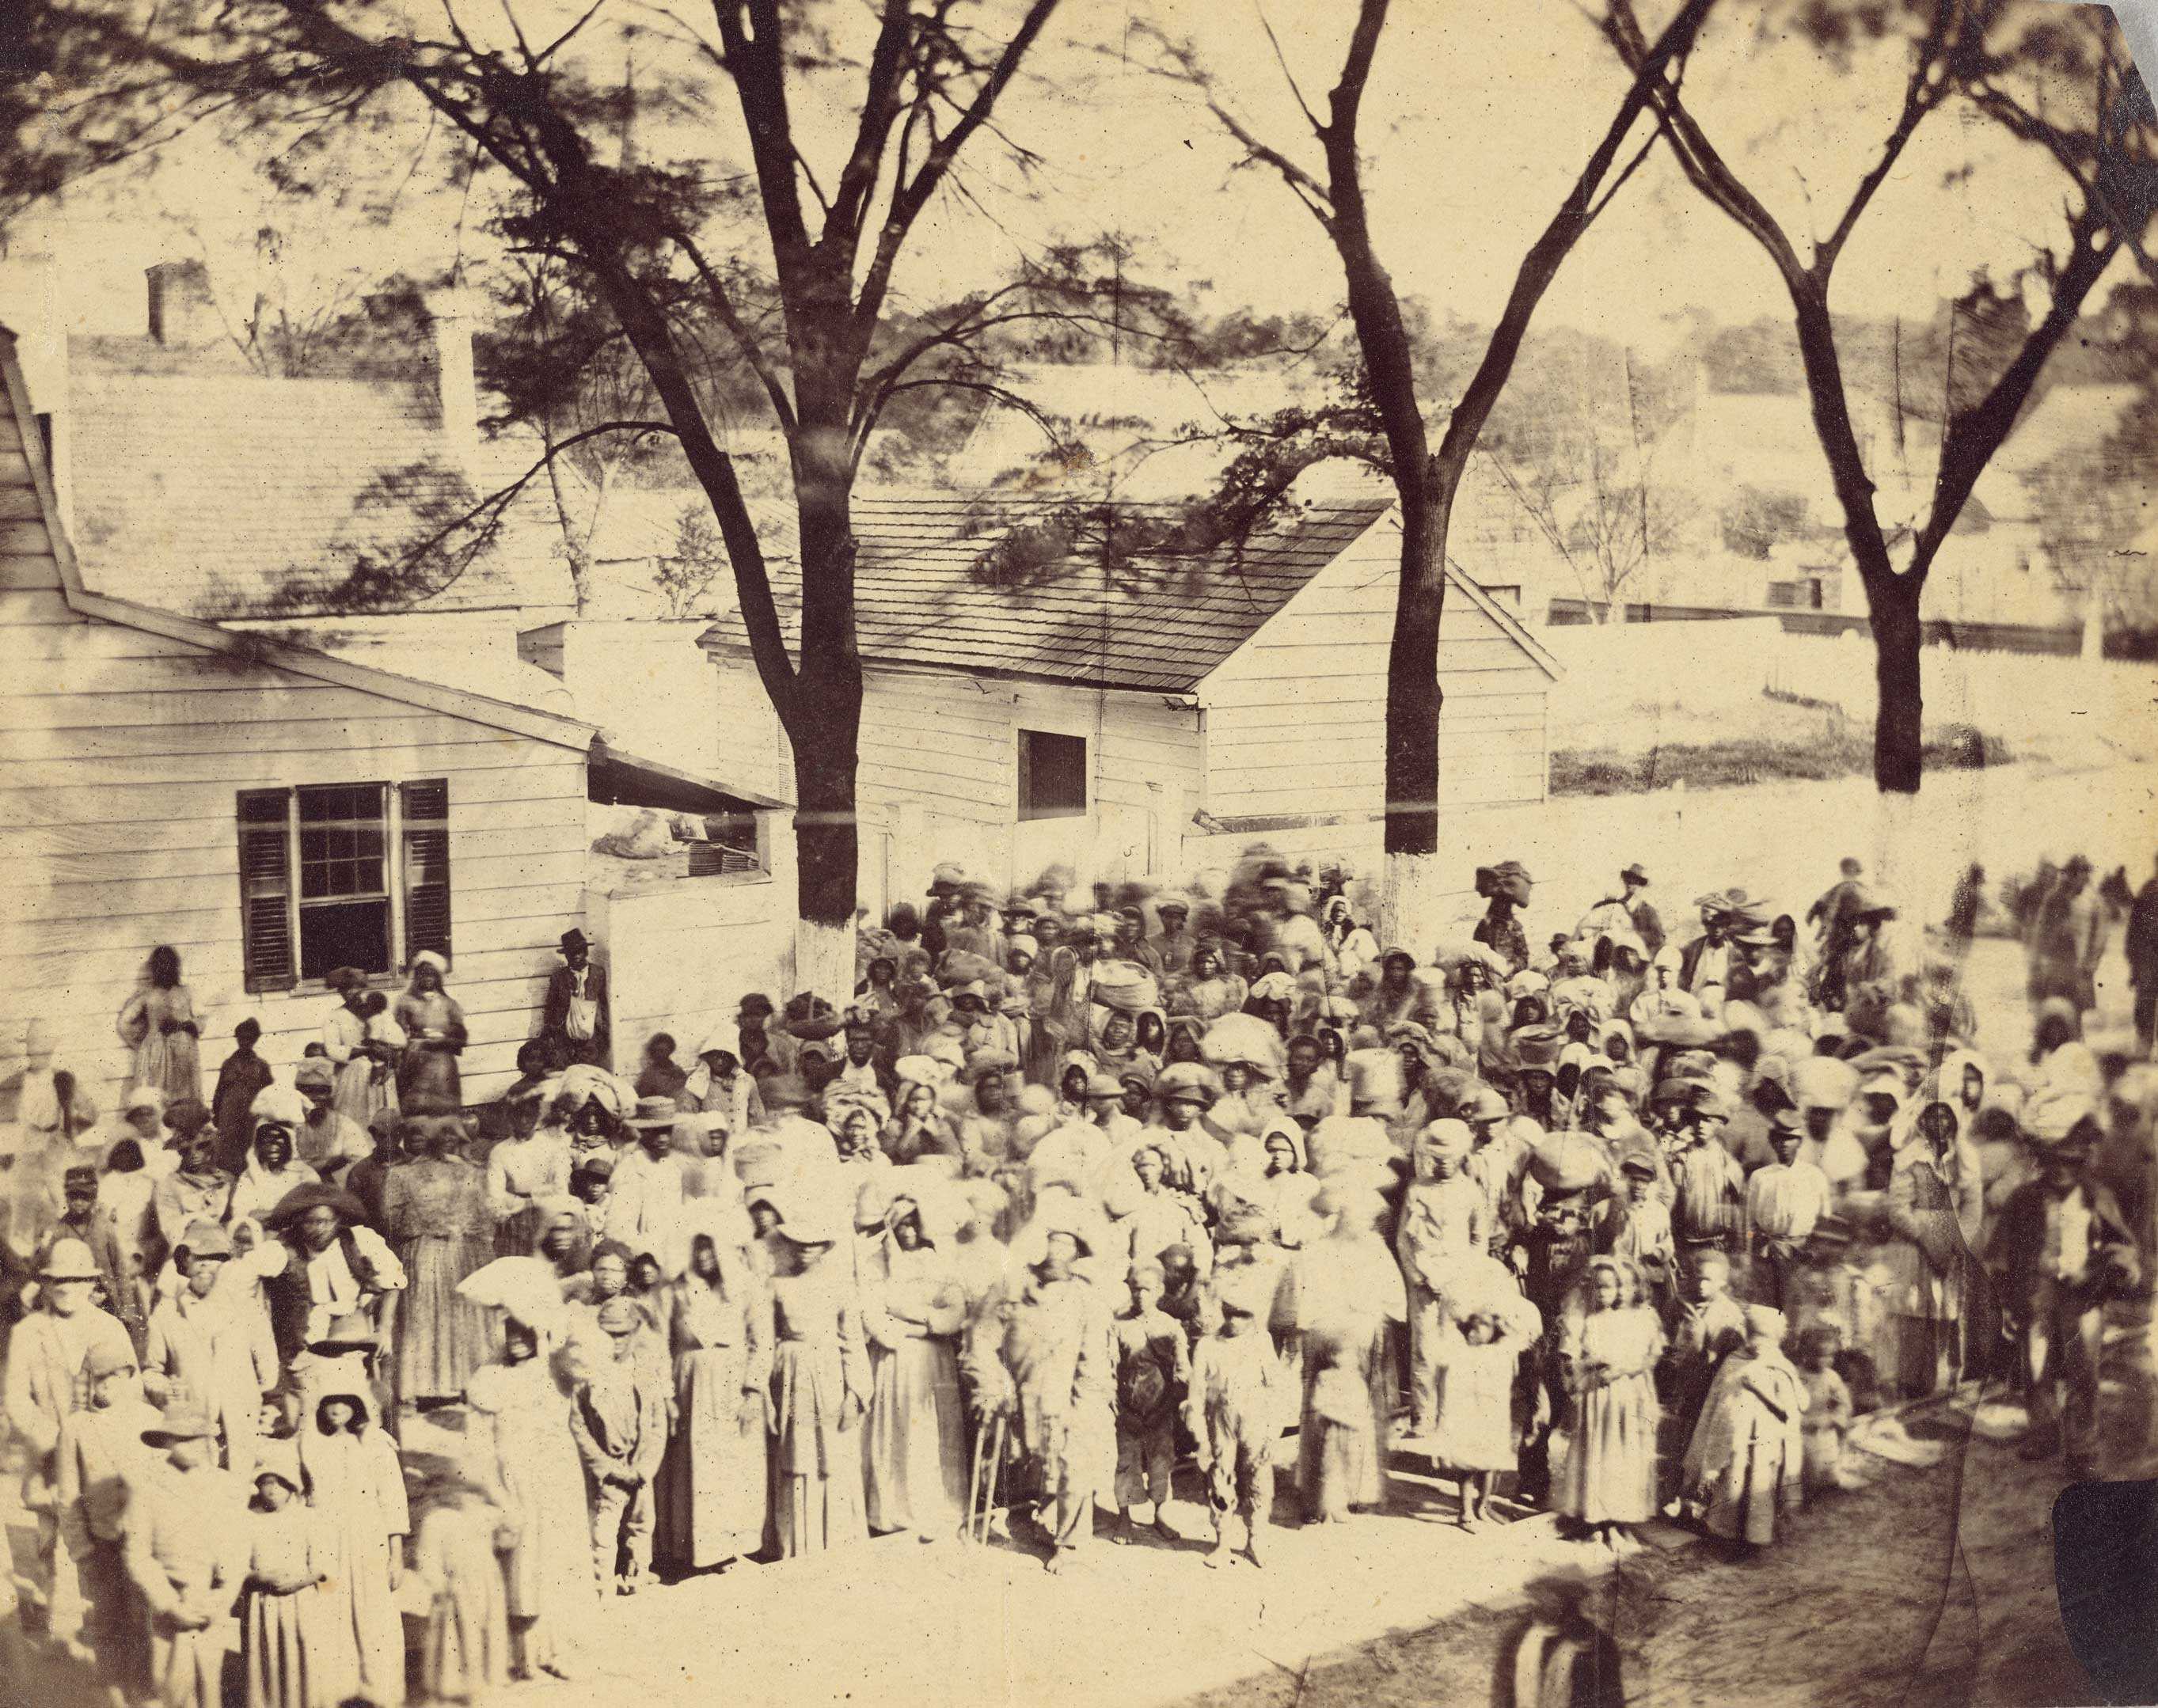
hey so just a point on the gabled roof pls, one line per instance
(1160, 621)
(226, 494)
(300, 661)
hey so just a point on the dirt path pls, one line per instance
(1867, 1606)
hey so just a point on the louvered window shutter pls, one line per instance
(425, 812)
(265, 889)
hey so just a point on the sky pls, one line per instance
(1480, 116)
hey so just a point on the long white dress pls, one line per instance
(539, 1484)
(914, 1305)
(355, 1483)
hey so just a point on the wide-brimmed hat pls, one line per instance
(313, 1196)
(575, 939)
(68, 1260)
(1186, 1079)
(654, 1113)
(279, 1458)
(105, 1358)
(345, 978)
(1634, 875)
(1536, 1048)
(353, 1330)
(619, 1316)
(205, 1239)
(184, 1420)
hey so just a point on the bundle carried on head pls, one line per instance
(1125, 985)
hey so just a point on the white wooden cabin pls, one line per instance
(1148, 719)
(271, 812)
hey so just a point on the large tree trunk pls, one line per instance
(1898, 739)
(1412, 884)
(825, 845)
(1897, 721)
(824, 720)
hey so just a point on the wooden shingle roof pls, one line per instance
(230, 495)
(1159, 620)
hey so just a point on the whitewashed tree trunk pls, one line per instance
(1900, 873)
(1412, 902)
(824, 960)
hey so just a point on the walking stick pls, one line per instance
(999, 1442)
(974, 1489)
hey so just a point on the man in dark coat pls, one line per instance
(2142, 947)
(575, 1020)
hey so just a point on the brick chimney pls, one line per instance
(450, 319)
(183, 313)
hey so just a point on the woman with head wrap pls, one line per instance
(158, 1024)
(525, 1455)
(713, 1488)
(914, 1306)
(919, 1127)
(434, 1025)
(820, 1385)
(1936, 1204)
(1348, 1290)
(1209, 990)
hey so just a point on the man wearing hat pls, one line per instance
(1507, 887)
(2065, 1248)
(1784, 1203)
(644, 1202)
(619, 1421)
(101, 1455)
(1638, 909)
(212, 1344)
(45, 1354)
(1039, 1352)
(576, 1018)
(324, 1138)
(183, 1524)
(1171, 946)
(82, 1217)
(1708, 1212)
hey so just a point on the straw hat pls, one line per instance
(68, 1260)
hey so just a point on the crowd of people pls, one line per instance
(1073, 1192)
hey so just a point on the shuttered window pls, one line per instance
(265, 889)
(334, 875)
(426, 817)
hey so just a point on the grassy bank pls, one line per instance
(1841, 751)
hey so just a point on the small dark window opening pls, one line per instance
(1052, 776)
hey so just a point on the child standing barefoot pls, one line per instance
(1609, 1479)
(1828, 1408)
(1153, 1370)
(1474, 1438)
(1235, 1412)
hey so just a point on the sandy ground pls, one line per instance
(1850, 1611)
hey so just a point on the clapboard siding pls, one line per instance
(1296, 718)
